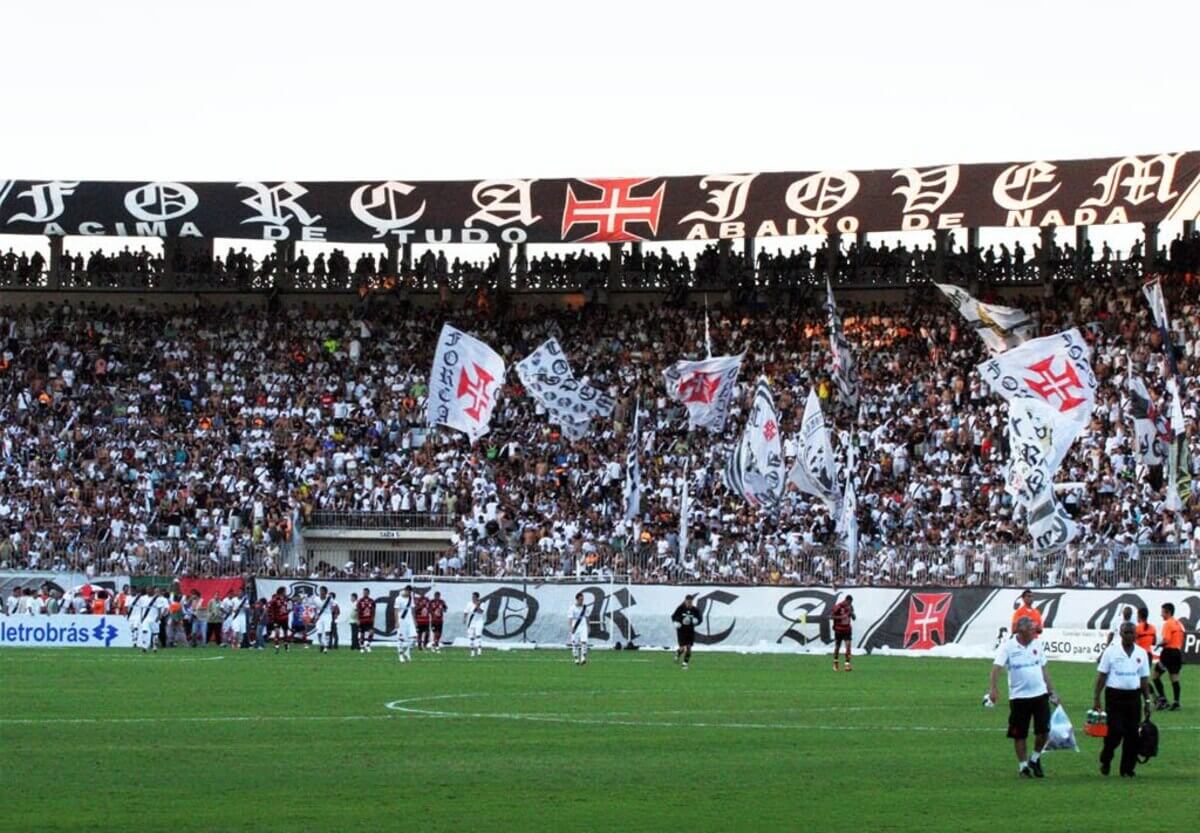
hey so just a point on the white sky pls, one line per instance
(425, 90)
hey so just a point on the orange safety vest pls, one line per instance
(98, 606)
(1144, 637)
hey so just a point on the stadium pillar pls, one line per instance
(1079, 267)
(54, 278)
(1045, 259)
(941, 242)
(1149, 246)
(170, 247)
(833, 247)
(406, 259)
(1189, 228)
(974, 255)
(724, 249)
(504, 280)
(614, 264)
(392, 258)
(749, 253)
(285, 251)
(522, 260)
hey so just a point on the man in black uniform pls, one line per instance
(686, 617)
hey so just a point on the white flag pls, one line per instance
(1056, 370)
(755, 468)
(847, 525)
(1001, 328)
(705, 388)
(843, 359)
(464, 381)
(546, 376)
(685, 509)
(1031, 429)
(815, 469)
(633, 469)
(1158, 304)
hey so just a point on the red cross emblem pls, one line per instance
(616, 207)
(1059, 385)
(926, 626)
(476, 388)
(700, 387)
(770, 429)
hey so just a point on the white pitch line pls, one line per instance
(191, 719)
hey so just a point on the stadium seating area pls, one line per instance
(136, 438)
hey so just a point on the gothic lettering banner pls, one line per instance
(1080, 192)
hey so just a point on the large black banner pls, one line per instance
(1132, 189)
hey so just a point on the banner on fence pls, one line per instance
(751, 618)
(210, 587)
(65, 631)
(63, 582)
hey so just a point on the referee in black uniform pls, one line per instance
(1124, 676)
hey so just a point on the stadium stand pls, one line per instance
(170, 439)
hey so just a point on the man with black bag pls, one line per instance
(1124, 676)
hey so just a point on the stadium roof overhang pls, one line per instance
(1077, 192)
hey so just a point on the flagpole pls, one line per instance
(707, 338)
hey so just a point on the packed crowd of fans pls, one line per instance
(714, 268)
(135, 437)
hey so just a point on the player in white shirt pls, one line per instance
(1123, 675)
(1030, 693)
(577, 626)
(137, 612)
(236, 621)
(406, 626)
(473, 618)
(228, 605)
(13, 605)
(324, 619)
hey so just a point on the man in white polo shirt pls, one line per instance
(1124, 677)
(1029, 694)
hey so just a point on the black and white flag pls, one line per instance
(633, 469)
(755, 468)
(843, 359)
(815, 469)
(1031, 427)
(546, 375)
(1000, 327)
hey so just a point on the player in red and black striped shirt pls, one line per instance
(421, 617)
(366, 621)
(842, 615)
(277, 615)
(437, 617)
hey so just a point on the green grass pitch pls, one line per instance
(202, 740)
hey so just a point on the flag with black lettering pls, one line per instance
(843, 360)
(847, 525)
(546, 375)
(466, 378)
(1000, 327)
(705, 388)
(815, 470)
(1031, 427)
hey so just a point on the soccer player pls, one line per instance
(437, 618)
(237, 621)
(1114, 635)
(1026, 608)
(366, 621)
(155, 611)
(842, 615)
(578, 630)
(686, 617)
(406, 629)
(1123, 676)
(1029, 694)
(324, 618)
(473, 618)
(421, 614)
(137, 612)
(1170, 657)
(277, 614)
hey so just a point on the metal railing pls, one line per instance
(988, 565)
(323, 518)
